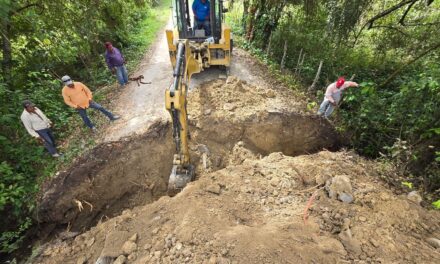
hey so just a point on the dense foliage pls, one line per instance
(41, 41)
(393, 49)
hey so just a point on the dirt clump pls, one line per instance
(253, 212)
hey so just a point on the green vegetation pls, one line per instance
(392, 48)
(42, 41)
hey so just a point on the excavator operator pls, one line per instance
(201, 15)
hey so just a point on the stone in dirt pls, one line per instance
(339, 187)
(434, 242)
(114, 242)
(81, 260)
(214, 188)
(129, 247)
(120, 260)
(350, 243)
(415, 197)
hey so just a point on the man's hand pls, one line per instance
(113, 70)
(40, 140)
(78, 107)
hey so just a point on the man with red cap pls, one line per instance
(333, 96)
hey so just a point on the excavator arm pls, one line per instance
(176, 104)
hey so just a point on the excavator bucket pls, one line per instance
(179, 178)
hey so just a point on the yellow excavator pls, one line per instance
(192, 48)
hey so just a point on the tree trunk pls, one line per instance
(315, 81)
(269, 45)
(301, 63)
(299, 60)
(283, 60)
(6, 51)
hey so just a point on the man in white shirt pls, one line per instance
(38, 126)
(333, 96)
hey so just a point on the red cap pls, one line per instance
(340, 82)
(107, 44)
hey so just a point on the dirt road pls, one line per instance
(141, 106)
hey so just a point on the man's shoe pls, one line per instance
(116, 117)
(94, 130)
(56, 155)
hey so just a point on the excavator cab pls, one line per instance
(210, 47)
(191, 50)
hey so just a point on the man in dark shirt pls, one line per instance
(201, 15)
(116, 63)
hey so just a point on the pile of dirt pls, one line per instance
(134, 171)
(253, 211)
(252, 201)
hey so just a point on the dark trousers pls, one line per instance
(49, 140)
(94, 105)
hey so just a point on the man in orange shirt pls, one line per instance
(78, 96)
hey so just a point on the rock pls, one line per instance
(414, 197)
(346, 198)
(147, 246)
(179, 246)
(113, 243)
(81, 260)
(214, 188)
(90, 242)
(274, 181)
(207, 112)
(270, 93)
(433, 242)
(104, 260)
(374, 242)
(187, 252)
(133, 238)
(351, 244)
(120, 260)
(157, 254)
(132, 257)
(362, 218)
(129, 247)
(339, 187)
(384, 196)
(330, 245)
(221, 260)
(229, 106)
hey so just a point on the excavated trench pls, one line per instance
(121, 175)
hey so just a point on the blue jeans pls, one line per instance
(326, 108)
(203, 25)
(49, 140)
(94, 105)
(121, 74)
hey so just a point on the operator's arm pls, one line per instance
(67, 100)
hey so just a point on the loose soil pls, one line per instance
(265, 191)
(248, 202)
